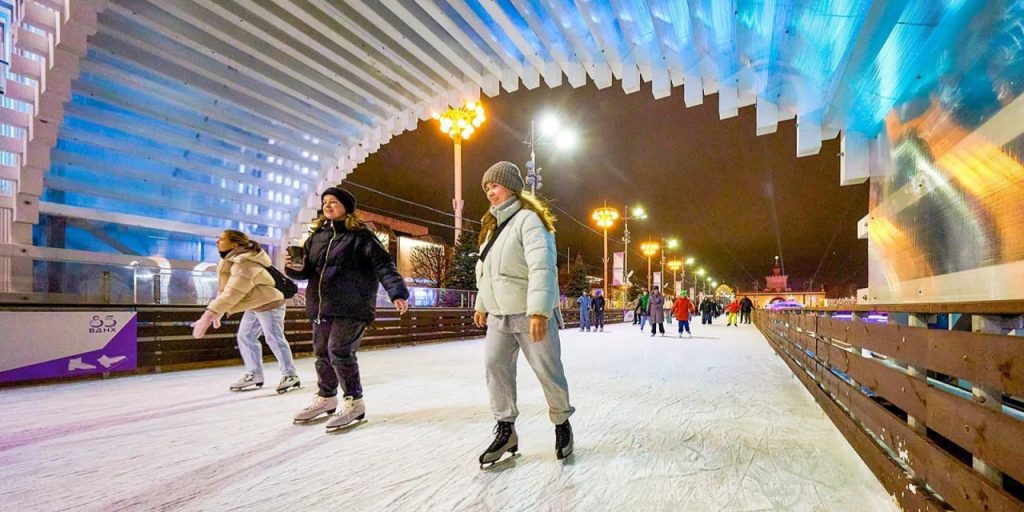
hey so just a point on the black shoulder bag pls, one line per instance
(490, 243)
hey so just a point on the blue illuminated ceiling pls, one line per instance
(233, 113)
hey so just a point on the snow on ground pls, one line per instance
(716, 422)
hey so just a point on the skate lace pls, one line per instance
(317, 402)
(502, 431)
(248, 377)
(349, 405)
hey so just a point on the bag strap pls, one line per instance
(490, 243)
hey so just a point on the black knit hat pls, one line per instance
(347, 199)
(505, 174)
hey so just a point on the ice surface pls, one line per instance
(716, 422)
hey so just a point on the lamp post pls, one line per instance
(459, 124)
(669, 243)
(687, 261)
(638, 214)
(605, 218)
(549, 132)
(674, 266)
(649, 249)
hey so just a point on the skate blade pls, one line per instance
(500, 462)
(282, 391)
(253, 387)
(345, 428)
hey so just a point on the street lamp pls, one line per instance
(669, 243)
(638, 213)
(688, 261)
(674, 266)
(459, 124)
(649, 249)
(605, 218)
(550, 132)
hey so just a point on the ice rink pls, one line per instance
(716, 422)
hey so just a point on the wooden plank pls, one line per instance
(989, 435)
(908, 345)
(990, 360)
(1001, 307)
(895, 386)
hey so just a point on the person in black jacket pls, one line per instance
(598, 305)
(746, 306)
(344, 264)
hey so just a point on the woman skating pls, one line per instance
(344, 264)
(518, 304)
(244, 284)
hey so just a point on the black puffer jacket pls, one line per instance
(343, 268)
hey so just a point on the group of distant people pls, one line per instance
(650, 307)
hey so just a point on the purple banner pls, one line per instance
(117, 355)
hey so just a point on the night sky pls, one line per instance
(734, 199)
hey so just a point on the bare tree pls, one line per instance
(430, 263)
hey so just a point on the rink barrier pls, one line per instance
(930, 396)
(165, 343)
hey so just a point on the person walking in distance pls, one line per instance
(681, 309)
(707, 310)
(584, 301)
(645, 301)
(598, 305)
(733, 310)
(746, 306)
(245, 284)
(517, 302)
(656, 311)
(344, 264)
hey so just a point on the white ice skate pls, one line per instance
(352, 414)
(248, 381)
(288, 382)
(320, 405)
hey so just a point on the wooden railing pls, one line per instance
(166, 343)
(929, 396)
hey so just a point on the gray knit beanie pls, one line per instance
(505, 174)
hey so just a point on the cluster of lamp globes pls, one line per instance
(460, 123)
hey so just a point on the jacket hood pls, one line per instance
(258, 256)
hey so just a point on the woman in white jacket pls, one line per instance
(245, 285)
(517, 302)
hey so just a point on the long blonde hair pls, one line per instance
(530, 202)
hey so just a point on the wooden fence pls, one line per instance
(929, 396)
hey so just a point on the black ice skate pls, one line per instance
(505, 440)
(563, 440)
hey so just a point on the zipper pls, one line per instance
(320, 283)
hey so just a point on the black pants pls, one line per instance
(599, 319)
(705, 318)
(657, 325)
(744, 317)
(335, 341)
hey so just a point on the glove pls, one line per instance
(199, 327)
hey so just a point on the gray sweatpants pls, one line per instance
(506, 336)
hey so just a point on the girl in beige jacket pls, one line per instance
(245, 285)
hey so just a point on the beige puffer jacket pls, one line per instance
(243, 284)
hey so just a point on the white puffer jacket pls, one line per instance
(519, 274)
